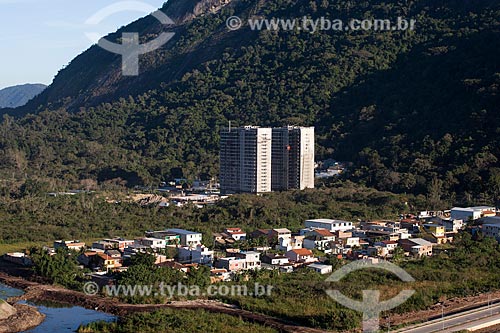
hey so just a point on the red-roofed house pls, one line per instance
(320, 239)
(301, 255)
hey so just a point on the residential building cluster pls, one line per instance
(280, 249)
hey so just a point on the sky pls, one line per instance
(40, 37)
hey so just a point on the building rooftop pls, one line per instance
(303, 252)
(330, 221)
(421, 242)
(323, 232)
(319, 266)
(282, 231)
(182, 231)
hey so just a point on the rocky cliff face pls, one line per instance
(184, 10)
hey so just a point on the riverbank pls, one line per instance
(26, 317)
(35, 291)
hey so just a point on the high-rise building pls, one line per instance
(258, 160)
(292, 158)
(245, 159)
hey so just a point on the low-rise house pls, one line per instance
(106, 262)
(377, 251)
(328, 224)
(320, 239)
(301, 256)
(274, 259)
(287, 244)
(252, 259)
(115, 254)
(236, 233)
(219, 275)
(103, 245)
(411, 225)
(278, 234)
(416, 246)
(382, 249)
(134, 249)
(472, 213)
(320, 268)
(240, 261)
(87, 258)
(153, 243)
(170, 238)
(199, 255)
(434, 229)
(451, 225)
(120, 243)
(18, 258)
(390, 245)
(187, 238)
(352, 242)
(69, 245)
(112, 244)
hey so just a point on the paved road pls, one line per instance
(457, 322)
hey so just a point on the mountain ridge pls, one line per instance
(372, 96)
(19, 95)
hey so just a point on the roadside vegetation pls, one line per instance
(176, 321)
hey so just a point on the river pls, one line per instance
(59, 317)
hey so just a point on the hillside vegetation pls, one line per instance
(417, 111)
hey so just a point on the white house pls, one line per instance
(328, 224)
(452, 225)
(236, 233)
(188, 238)
(153, 243)
(198, 255)
(70, 245)
(322, 269)
(240, 261)
(471, 213)
(287, 244)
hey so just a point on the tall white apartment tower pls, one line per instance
(292, 158)
(245, 159)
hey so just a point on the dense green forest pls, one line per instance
(416, 111)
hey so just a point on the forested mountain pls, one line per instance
(417, 111)
(12, 97)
